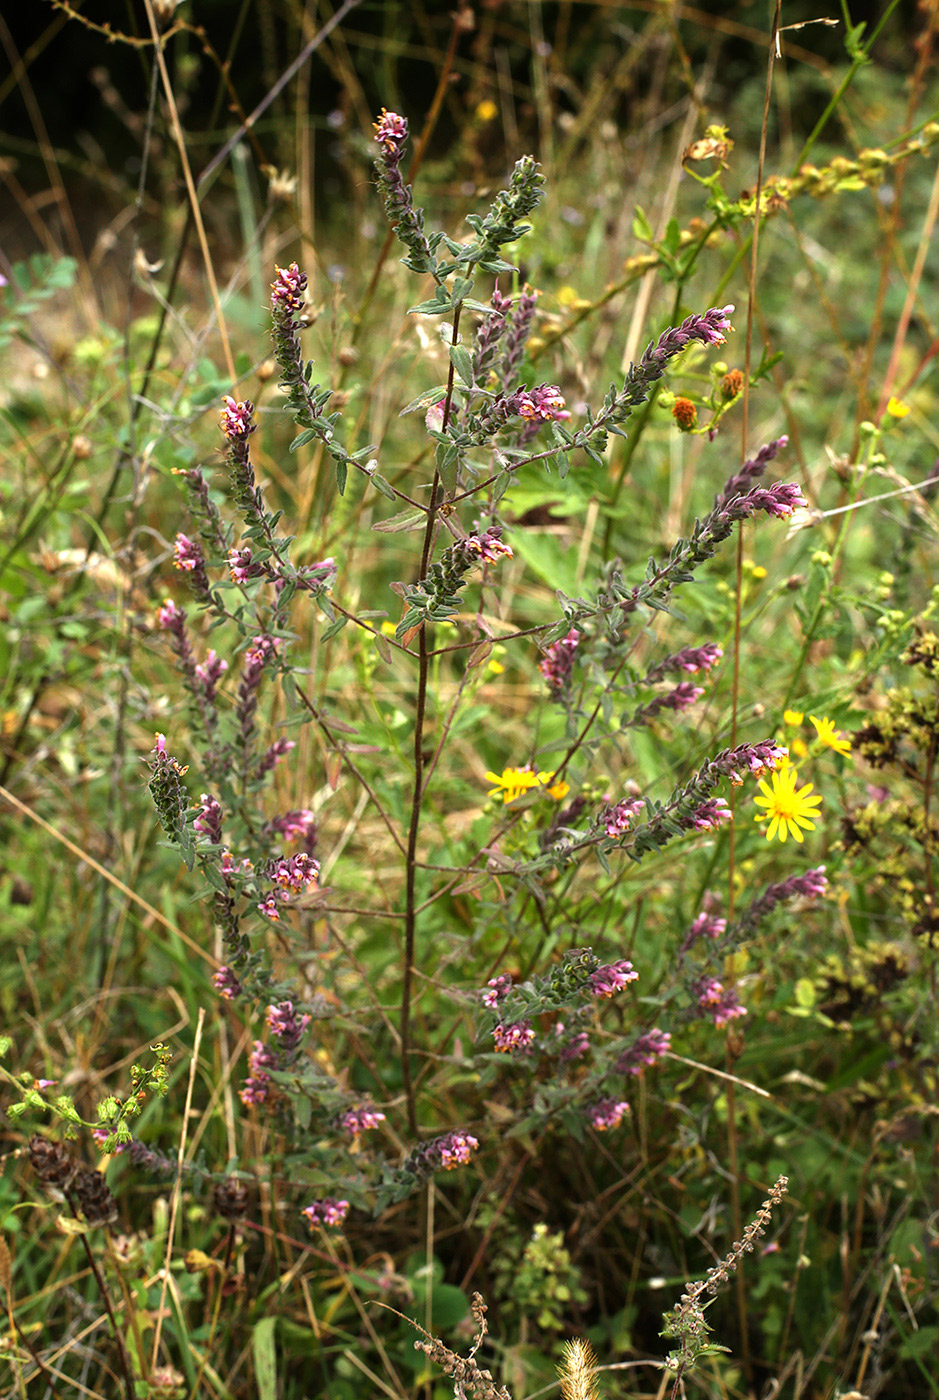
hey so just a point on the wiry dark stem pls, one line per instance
(106, 1299)
(410, 896)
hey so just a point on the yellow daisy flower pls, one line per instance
(788, 808)
(793, 717)
(514, 782)
(829, 736)
(897, 408)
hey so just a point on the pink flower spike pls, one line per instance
(236, 422)
(607, 1113)
(330, 1211)
(607, 981)
(514, 1038)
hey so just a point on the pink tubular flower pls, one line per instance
(329, 1211)
(498, 987)
(391, 131)
(718, 1002)
(706, 925)
(488, 547)
(294, 825)
(236, 417)
(359, 1120)
(226, 983)
(187, 555)
(454, 1149)
(709, 815)
(315, 578)
(170, 616)
(433, 418)
(557, 664)
(644, 1052)
(286, 1025)
(690, 659)
(262, 1058)
(513, 1038)
(241, 565)
(232, 867)
(288, 288)
(295, 874)
(209, 820)
(209, 672)
(268, 907)
(618, 819)
(549, 403)
(606, 981)
(576, 1046)
(255, 1091)
(260, 651)
(278, 750)
(751, 758)
(607, 1113)
(543, 404)
(779, 500)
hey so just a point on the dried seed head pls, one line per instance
(93, 1195)
(231, 1198)
(53, 1165)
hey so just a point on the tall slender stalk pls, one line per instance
(420, 701)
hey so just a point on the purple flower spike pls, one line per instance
(644, 1052)
(286, 1025)
(170, 617)
(618, 819)
(328, 1212)
(454, 1149)
(391, 131)
(209, 672)
(811, 885)
(287, 289)
(557, 664)
(690, 659)
(513, 1039)
(607, 1113)
(719, 1003)
(256, 1090)
(708, 816)
(236, 419)
(497, 988)
(209, 820)
(607, 981)
(359, 1120)
(226, 983)
(749, 472)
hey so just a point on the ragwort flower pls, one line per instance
(829, 736)
(789, 808)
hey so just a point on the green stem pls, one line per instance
(822, 603)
